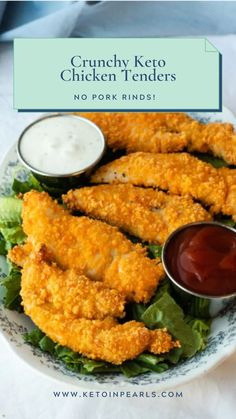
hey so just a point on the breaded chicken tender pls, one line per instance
(96, 249)
(98, 339)
(20, 254)
(166, 132)
(161, 341)
(148, 214)
(141, 131)
(71, 293)
(216, 138)
(178, 173)
(229, 207)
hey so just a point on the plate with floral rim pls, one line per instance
(221, 343)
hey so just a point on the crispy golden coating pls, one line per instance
(20, 254)
(166, 132)
(98, 339)
(146, 213)
(157, 133)
(71, 310)
(229, 207)
(161, 341)
(71, 293)
(178, 173)
(216, 138)
(96, 249)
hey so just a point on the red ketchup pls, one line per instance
(202, 258)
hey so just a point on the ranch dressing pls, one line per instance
(61, 145)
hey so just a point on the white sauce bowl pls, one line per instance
(59, 148)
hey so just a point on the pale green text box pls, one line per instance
(190, 68)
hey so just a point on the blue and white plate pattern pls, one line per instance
(221, 344)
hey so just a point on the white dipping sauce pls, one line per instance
(61, 145)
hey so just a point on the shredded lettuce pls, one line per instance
(10, 289)
(80, 364)
(31, 182)
(11, 231)
(10, 212)
(13, 235)
(3, 246)
(154, 251)
(25, 186)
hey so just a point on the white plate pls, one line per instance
(221, 344)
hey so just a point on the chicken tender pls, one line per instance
(215, 138)
(98, 339)
(20, 254)
(148, 214)
(157, 133)
(161, 341)
(178, 173)
(166, 132)
(98, 250)
(229, 207)
(71, 293)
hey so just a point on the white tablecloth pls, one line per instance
(24, 393)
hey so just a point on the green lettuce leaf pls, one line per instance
(154, 251)
(34, 336)
(10, 212)
(199, 307)
(31, 182)
(149, 359)
(163, 288)
(132, 369)
(174, 356)
(214, 161)
(3, 246)
(166, 313)
(47, 345)
(137, 310)
(225, 220)
(200, 326)
(26, 186)
(72, 360)
(11, 231)
(79, 364)
(11, 285)
(13, 235)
